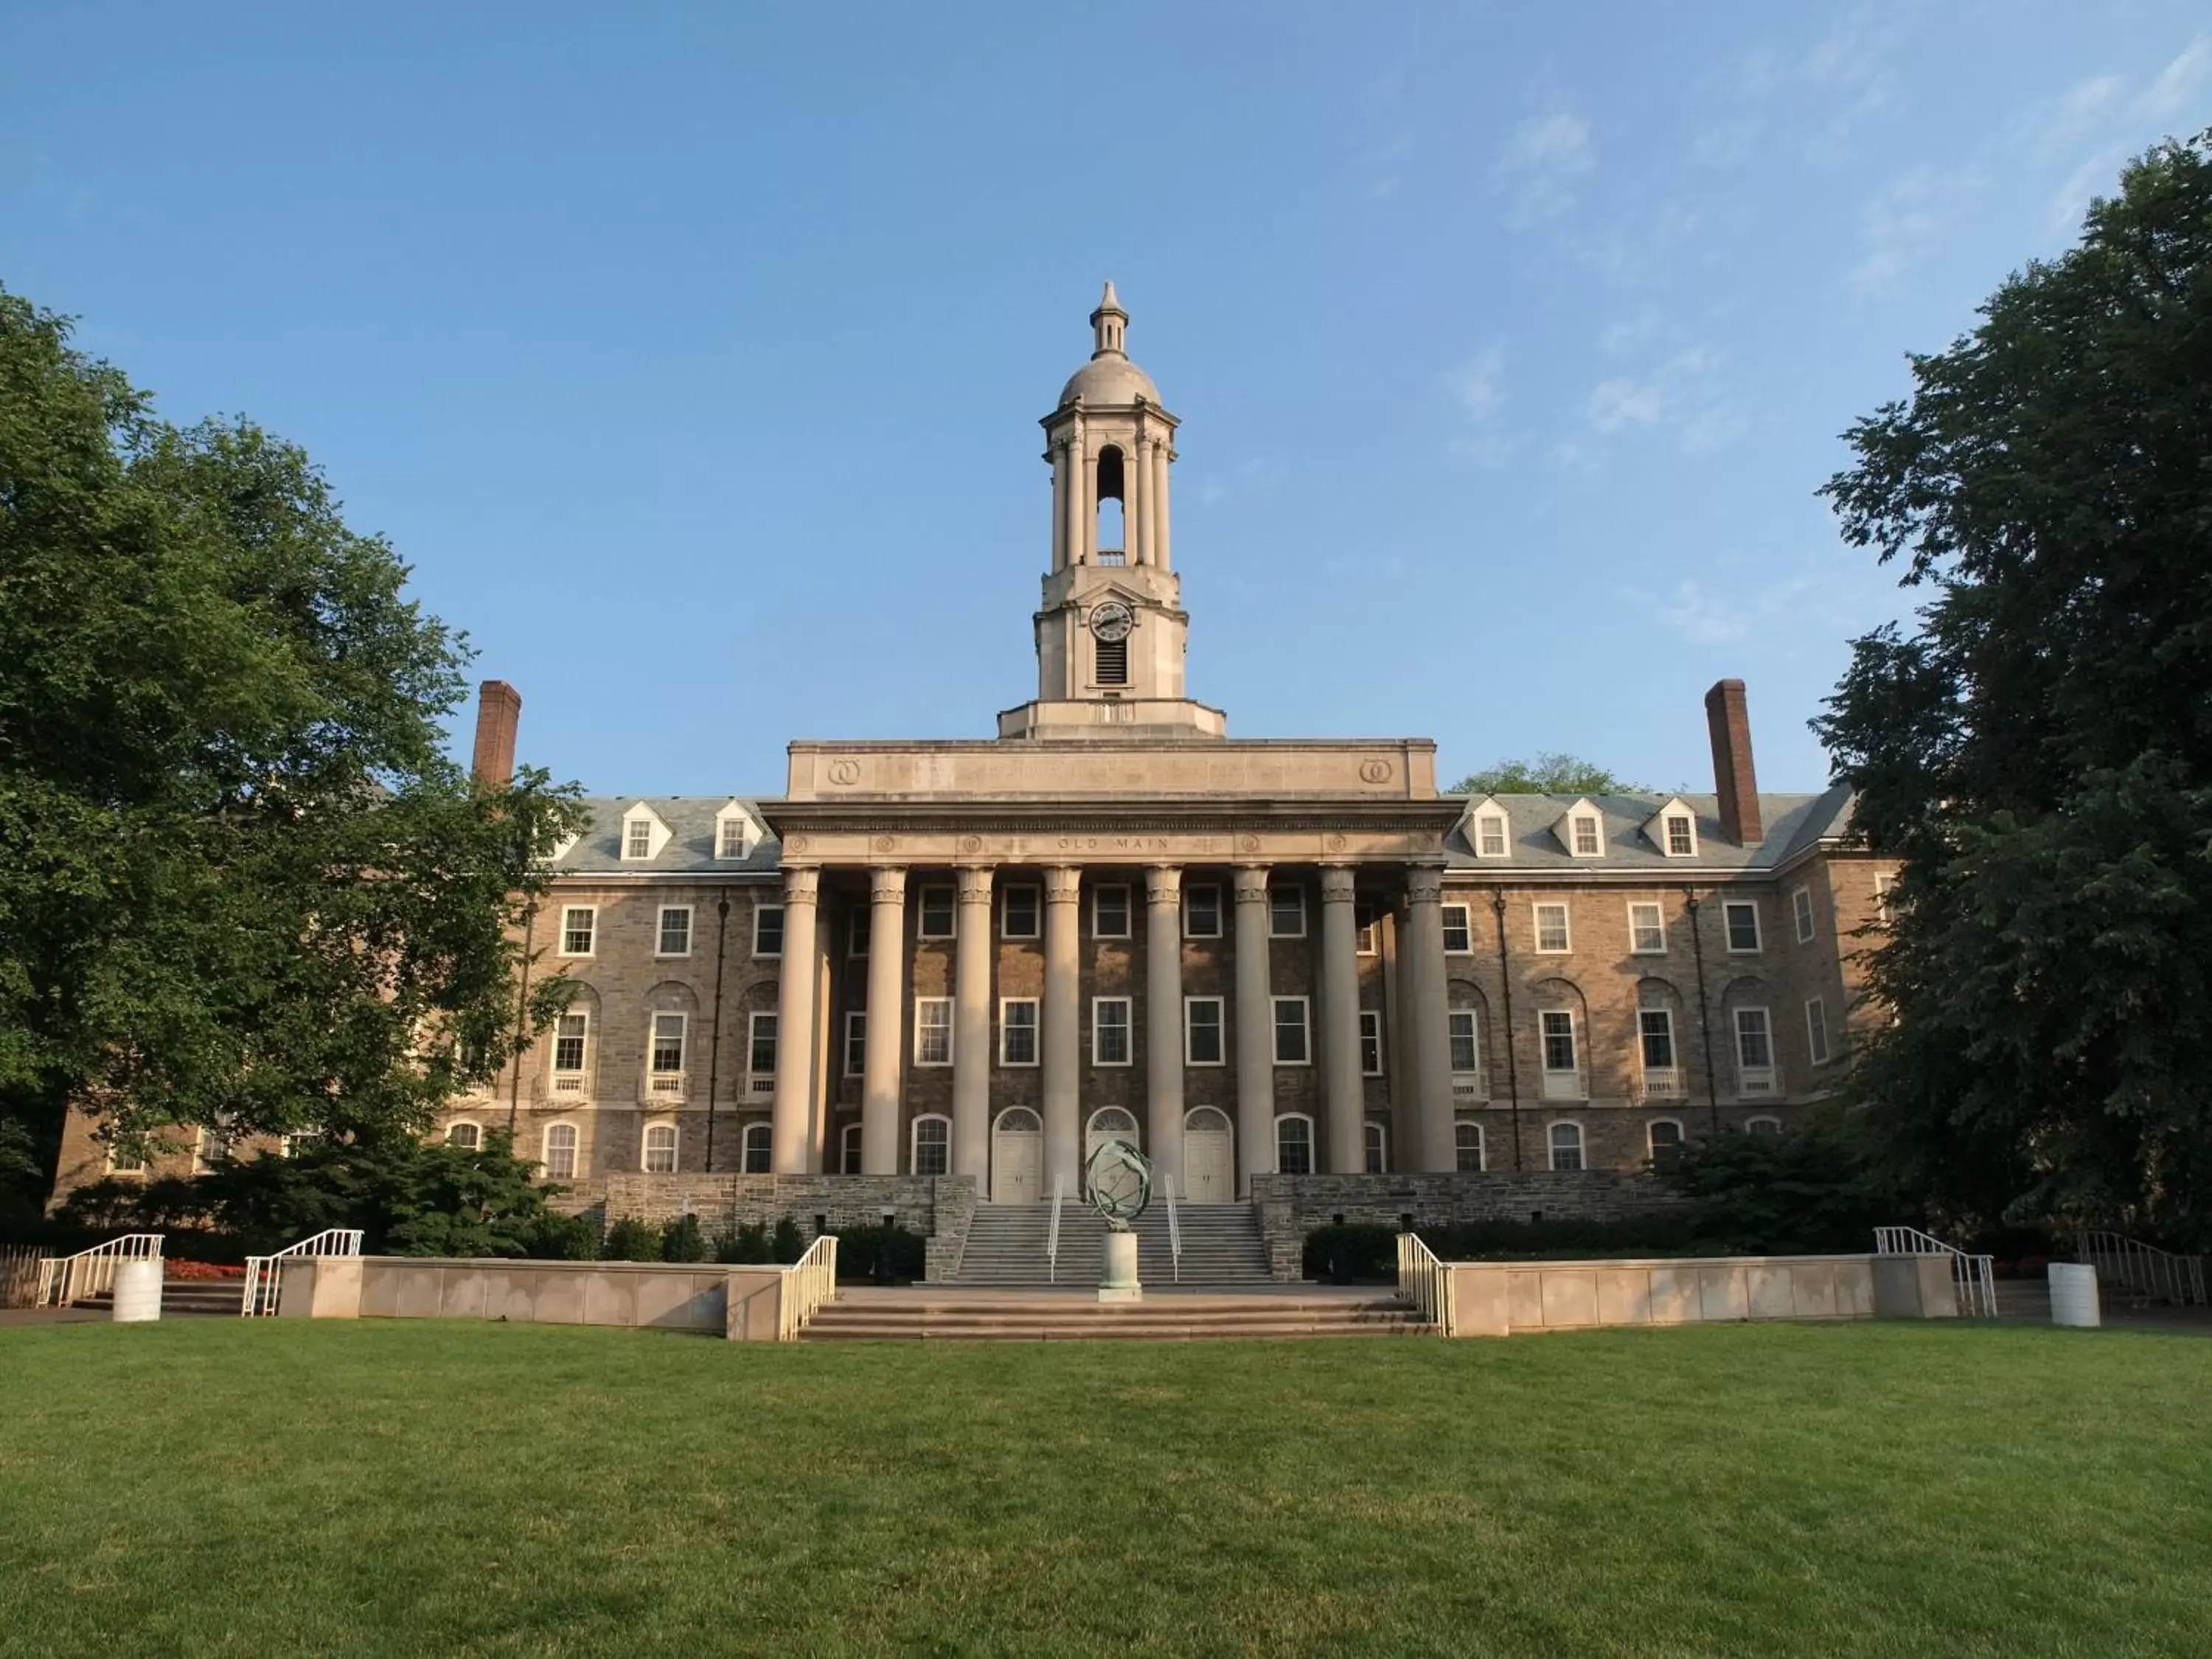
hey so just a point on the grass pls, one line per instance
(415, 1488)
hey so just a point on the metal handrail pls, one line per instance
(1425, 1281)
(1175, 1228)
(261, 1274)
(2128, 1264)
(1972, 1277)
(62, 1280)
(1051, 1231)
(808, 1283)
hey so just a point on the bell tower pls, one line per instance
(1111, 631)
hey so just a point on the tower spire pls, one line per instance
(1108, 322)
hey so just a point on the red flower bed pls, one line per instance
(174, 1269)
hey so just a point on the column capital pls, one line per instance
(1163, 883)
(800, 885)
(1251, 882)
(975, 884)
(1425, 885)
(1338, 883)
(887, 883)
(1063, 884)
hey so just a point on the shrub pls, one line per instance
(632, 1240)
(786, 1245)
(1811, 1191)
(860, 1250)
(565, 1238)
(743, 1246)
(682, 1240)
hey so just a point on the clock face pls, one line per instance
(1112, 621)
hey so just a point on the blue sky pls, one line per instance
(693, 355)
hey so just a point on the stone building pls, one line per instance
(1252, 958)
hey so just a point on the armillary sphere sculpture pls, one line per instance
(1120, 1181)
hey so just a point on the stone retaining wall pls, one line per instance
(841, 1202)
(1506, 1299)
(741, 1303)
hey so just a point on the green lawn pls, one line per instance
(420, 1488)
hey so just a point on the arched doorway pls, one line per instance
(1108, 1123)
(1209, 1158)
(1017, 1157)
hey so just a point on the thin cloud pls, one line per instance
(1683, 393)
(1545, 161)
(2098, 125)
(1904, 222)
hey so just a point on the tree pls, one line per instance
(1547, 775)
(2039, 748)
(240, 883)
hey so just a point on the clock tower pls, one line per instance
(1111, 631)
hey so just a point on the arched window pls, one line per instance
(1466, 1147)
(760, 1144)
(1378, 1147)
(660, 1149)
(849, 1150)
(1665, 1137)
(1113, 520)
(468, 1136)
(561, 1151)
(1294, 1145)
(1566, 1145)
(933, 1145)
(1763, 1126)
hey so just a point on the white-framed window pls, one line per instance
(1293, 1039)
(1662, 1138)
(858, 926)
(856, 1042)
(1286, 913)
(1018, 1032)
(1816, 1029)
(1762, 1126)
(1370, 1043)
(933, 911)
(660, 1155)
(1109, 910)
(1586, 835)
(758, 1152)
(1202, 911)
(1681, 833)
(1885, 883)
(571, 1036)
(1367, 935)
(1654, 1038)
(1294, 1148)
(666, 1063)
(1459, 930)
(1552, 935)
(560, 1151)
(1020, 908)
(1110, 1030)
(1466, 1148)
(675, 939)
(1742, 917)
(1562, 1067)
(933, 1144)
(468, 1136)
(1490, 840)
(292, 1146)
(1377, 1147)
(1566, 1143)
(932, 1030)
(760, 1046)
(730, 841)
(849, 1150)
(1466, 1041)
(123, 1162)
(1202, 1032)
(1800, 913)
(1647, 930)
(637, 838)
(579, 924)
(1754, 1052)
(768, 929)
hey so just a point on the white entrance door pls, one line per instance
(1209, 1160)
(1017, 1157)
(1108, 1123)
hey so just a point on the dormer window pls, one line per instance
(1681, 836)
(637, 839)
(644, 835)
(1587, 844)
(1490, 836)
(733, 842)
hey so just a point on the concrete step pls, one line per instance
(186, 1296)
(937, 1316)
(1006, 1246)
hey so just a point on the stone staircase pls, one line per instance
(185, 1297)
(1221, 1245)
(930, 1313)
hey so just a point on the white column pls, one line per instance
(1058, 508)
(1062, 1019)
(791, 1132)
(1255, 1031)
(885, 1047)
(1159, 499)
(1428, 1035)
(1344, 1102)
(971, 1030)
(1136, 506)
(1086, 470)
(1163, 1020)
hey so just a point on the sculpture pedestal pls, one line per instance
(1120, 1284)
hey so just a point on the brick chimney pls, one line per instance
(1733, 780)
(498, 710)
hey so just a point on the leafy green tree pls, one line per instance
(1816, 1189)
(2039, 747)
(241, 882)
(1547, 775)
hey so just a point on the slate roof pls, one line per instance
(691, 849)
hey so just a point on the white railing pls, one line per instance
(807, 1284)
(1175, 1228)
(1662, 1082)
(1051, 1231)
(1973, 1277)
(1562, 1086)
(664, 1082)
(2140, 1269)
(1756, 1081)
(262, 1275)
(1425, 1282)
(67, 1278)
(1469, 1086)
